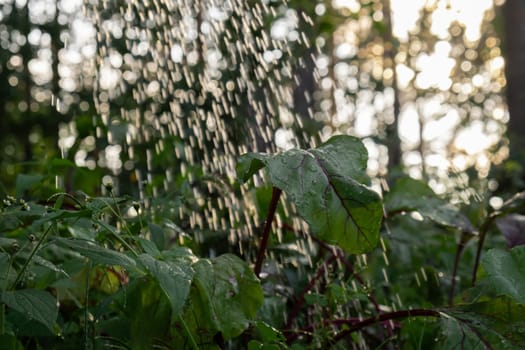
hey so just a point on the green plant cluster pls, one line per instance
(98, 272)
(78, 273)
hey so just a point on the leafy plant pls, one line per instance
(90, 276)
(103, 272)
(327, 185)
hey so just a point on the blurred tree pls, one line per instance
(45, 64)
(514, 19)
(194, 84)
(28, 124)
(391, 44)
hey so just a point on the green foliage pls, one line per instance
(412, 195)
(97, 254)
(33, 304)
(174, 278)
(506, 271)
(89, 275)
(103, 272)
(497, 322)
(328, 190)
(227, 295)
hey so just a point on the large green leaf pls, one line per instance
(42, 262)
(498, 323)
(327, 186)
(506, 271)
(226, 296)
(148, 315)
(35, 304)
(174, 279)
(98, 254)
(413, 195)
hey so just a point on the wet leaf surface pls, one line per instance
(409, 194)
(37, 305)
(506, 271)
(226, 295)
(498, 323)
(97, 253)
(327, 185)
(174, 279)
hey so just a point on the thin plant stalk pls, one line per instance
(357, 326)
(86, 309)
(300, 301)
(117, 212)
(482, 234)
(58, 202)
(2, 319)
(341, 257)
(33, 252)
(120, 239)
(459, 250)
(190, 336)
(276, 194)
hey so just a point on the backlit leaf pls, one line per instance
(414, 195)
(327, 186)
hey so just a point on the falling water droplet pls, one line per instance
(209, 81)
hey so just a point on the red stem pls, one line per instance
(300, 301)
(340, 256)
(353, 326)
(276, 194)
(292, 335)
(358, 278)
(482, 233)
(459, 251)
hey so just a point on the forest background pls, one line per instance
(433, 87)
(153, 103)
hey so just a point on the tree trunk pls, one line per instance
(514, 13)
(303, 98)
(392, 133)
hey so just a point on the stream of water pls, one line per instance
(208, 80)
(184, 87)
